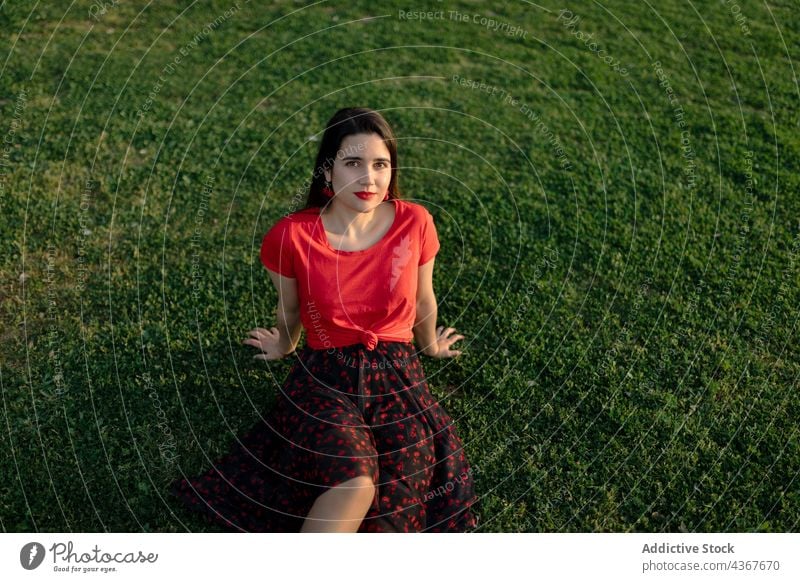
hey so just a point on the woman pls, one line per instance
(356, 441)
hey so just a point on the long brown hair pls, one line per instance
(349, 121)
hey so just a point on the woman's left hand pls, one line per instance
(445, 339)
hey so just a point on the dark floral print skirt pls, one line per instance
(343, 413)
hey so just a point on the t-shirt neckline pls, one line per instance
(380, 241)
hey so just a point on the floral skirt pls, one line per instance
(342, 414)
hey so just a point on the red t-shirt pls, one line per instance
(351, 297)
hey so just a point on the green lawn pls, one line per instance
(621, 249)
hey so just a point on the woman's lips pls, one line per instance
(365, 195)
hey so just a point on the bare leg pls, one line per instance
(342, 508)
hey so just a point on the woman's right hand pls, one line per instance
(268, 341)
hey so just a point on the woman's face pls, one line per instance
(362, 165)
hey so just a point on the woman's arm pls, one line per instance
(434, 342)
(425, 322)
(287, 313)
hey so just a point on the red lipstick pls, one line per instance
(365, 195)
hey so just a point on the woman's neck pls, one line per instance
(349, 222)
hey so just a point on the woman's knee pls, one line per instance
(362, 487)
(352, 496)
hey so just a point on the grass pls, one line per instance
(631, 354)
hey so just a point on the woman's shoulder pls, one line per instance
(288, 227)
(301, 216)
(412, 210)
(409, 212)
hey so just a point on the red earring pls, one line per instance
(385, 198)
(326, 190)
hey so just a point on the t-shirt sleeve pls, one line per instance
(277, 249)
(429, 243)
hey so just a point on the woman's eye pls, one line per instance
(353, 164)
